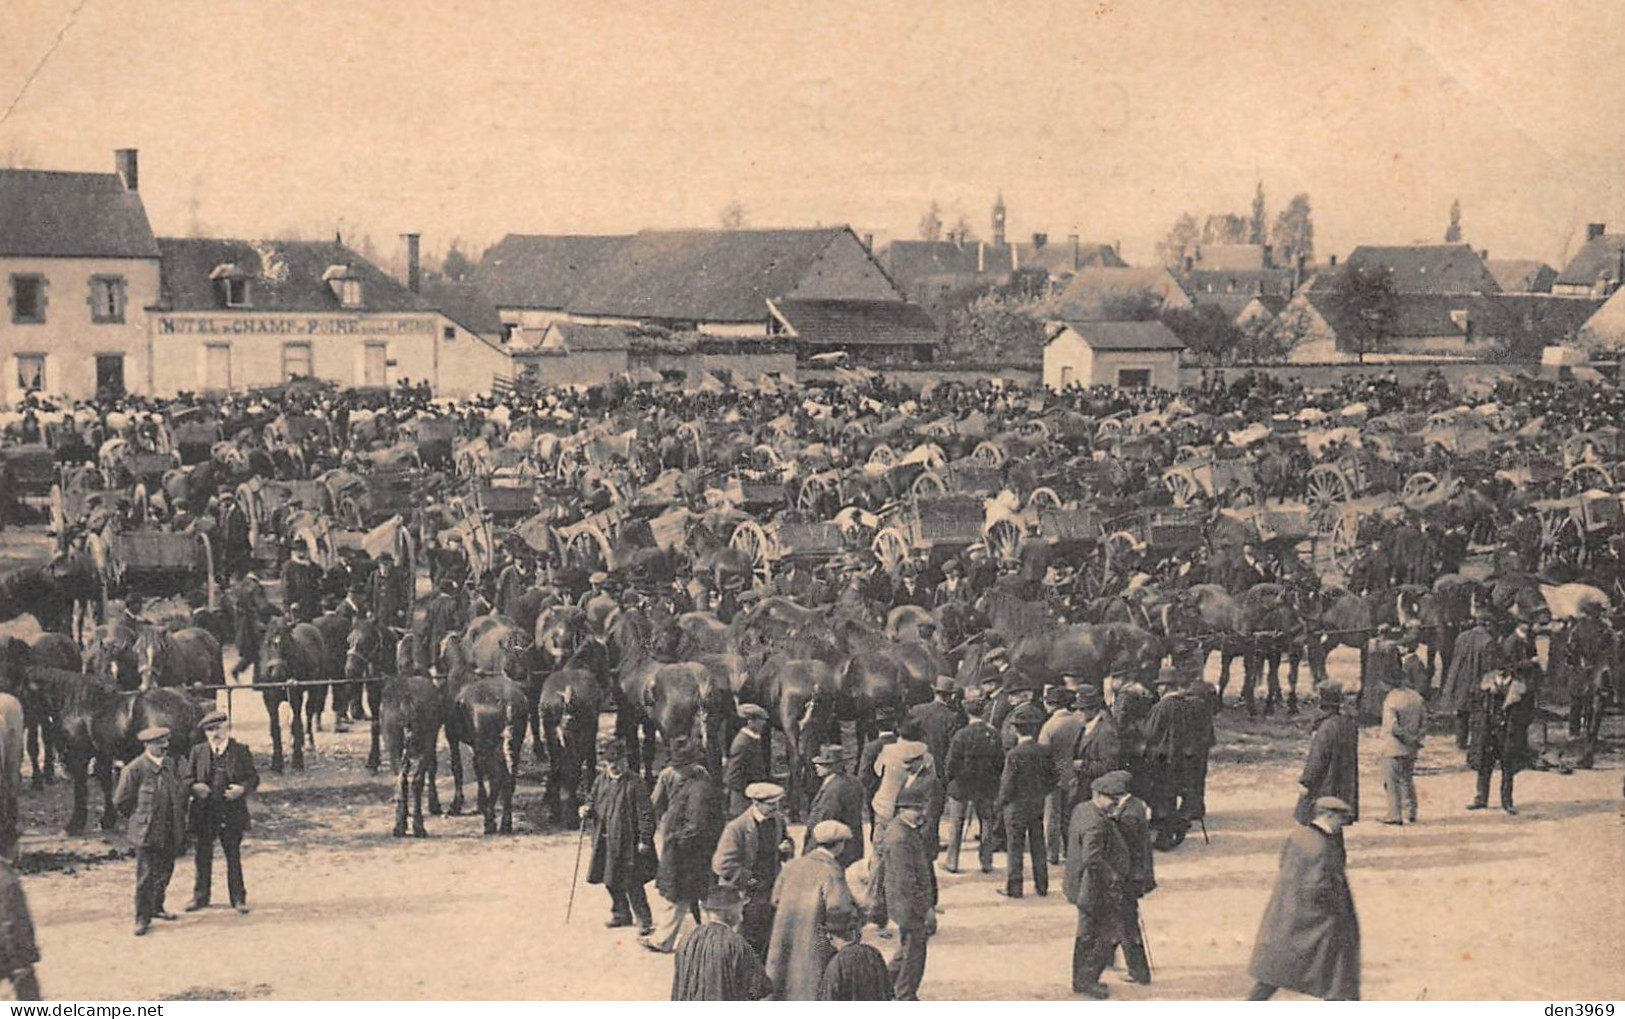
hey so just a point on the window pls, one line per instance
(1133, 378)
(296, 360)
(27, 299)
(234, 290)
(448, 333)
(349, 291)
(30, 372)
(1068, 376)
(107, 299)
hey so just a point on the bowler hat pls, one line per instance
(945, 684)
(722, 898)
(685, 752)
(830, 754)
(1330, 694)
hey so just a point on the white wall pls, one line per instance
(1067, 350)
(69, 338)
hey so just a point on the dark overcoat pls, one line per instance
(907, 875)
(150, 794)
(1309, 939)
(236, 768)
(1097, 869)
(626, 825)
(693, 823)
(1472, 657)
(840, 798)
(1499, 731)
(1333, 767)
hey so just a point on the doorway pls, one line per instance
(217, 367)
(374, 363)
(110, 375)
(1134, 378)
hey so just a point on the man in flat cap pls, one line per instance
(1333, 765)
(747, 762)
(910, 889)
(715, 963)
(1309, 938)
(623, 845)
(752, 848)
(221, 775)
(1097, 868)
(149, 794)
(839, 798)
(811, 901)
(1093, 751)
(975, 763)
(1133, 819)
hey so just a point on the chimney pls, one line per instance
(1039, 240)
(869, 243)
(1330, 260)
(1117, 247)
(1299, 266)
(1595, 230)
(1485, 254)
(981, 257)
(128, 168)
(414, 272)
(1269, 257)
(1190, 262)
(1077, 254)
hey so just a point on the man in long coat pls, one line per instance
(1133, 818)
(749, 854)
(715, 963)
(692, 824)
(909, 889)
(1097, 868)
(18, 949)
(811, 901)
(1309, 938)
(221, 776)
(1178, 738)
(149, 793)
(1058, 736)
(301, 586)
(1472, 657)
(937, 720)
(1502, 710)
(1333, 766)
(746, 765)
(442, 617)
(975, 764)
(623, 845)
(839, 798)
(250, 610)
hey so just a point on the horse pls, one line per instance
(1090, 652)
(491, 716)
(11, 774)
(111, 655)
(365, 648)
(410, 714)
(48, 650)
(187, 657)
(801, 696)
(335, 631)
(566, 708)
(81, 579)
(98, 726)
(34, 591)
(291, 653)
(696, 697)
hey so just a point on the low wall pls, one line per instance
(1025, 375)
(1318, 376)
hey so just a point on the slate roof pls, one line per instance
(846, 323)
(1599, 259)
(284, 275)
(1235, 281)
(1522, 275)
(585, 338)
(1056, 257)
(463, 302)
(1082, 297)
(531, 271)
(702, 275)
(48, 214)
(907, 261)
(1426, 268)
(1127, 335)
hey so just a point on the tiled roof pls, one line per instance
(1599, 259)
(1429, 268)
(1127, 335)
(463, 302)
(284, 276)
(72, 215)
(578, 337)
(1235, 281)
(1057, 257)
(703, 275)
(1083, 296)
(907, 261)
(525, 271)
(843, 323)
(1522, 275)
(1525, 321)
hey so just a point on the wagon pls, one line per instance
(162, 563)
(1138, 538)
(952, 522)
(506, 500)
(264, 502)
(1209, 477)
(28, 470)
(1330, 487)
(435, 438)
(962, 477)
(360, 501)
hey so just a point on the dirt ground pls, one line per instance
(1463, 905)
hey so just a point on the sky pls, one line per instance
(1107, 118)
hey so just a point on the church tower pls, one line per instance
(998, 221)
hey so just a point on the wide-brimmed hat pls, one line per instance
(1333, 805)
(723, 898)
(752, 711)
(1057, 695)
(685, 752)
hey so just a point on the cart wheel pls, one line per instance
(810, 496)
(1109, 428)
(891, 548)
(750, 539)
(1181, 484)
(1585, 476)
(1419, 486)
(883, 456)
(1185, 453)
(988, 454)
(1115, 552)
(1327, 489)
(1004, 540)
(1043, 499)
(1346, 542)
(929, 485)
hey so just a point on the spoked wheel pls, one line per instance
(1182, 485)
(1116, 553)
(1583, 477)
(1327, 490)
(750, 539)
(891, 548)
(883, 456)
(1004, 540)
(1419, 486)
(929, 485)
(1043, 499)
(988, 454)
(810, 496)
(1346, 542)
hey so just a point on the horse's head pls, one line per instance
(361, 647)
(274, 650)
(151, 656)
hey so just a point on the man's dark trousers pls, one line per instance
(153, 869)
(231, 844)
(1024, 833)
(908, 965)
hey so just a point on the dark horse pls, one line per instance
(568, 704)
(490, 716)
(48, 650)
(292, 654)
(35, 591)
(187, 657)
(366, 651)
(410, 713)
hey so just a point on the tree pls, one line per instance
(961, 232)
(1224, 228)
(996, 328)
(931, 223)
(733, 215)
(1294, 233)
(1179, 242)
(1452, 233)
(1208, 333)
(1366, 307)
(1258, 226)
(456, 265)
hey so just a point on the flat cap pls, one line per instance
(152, 734)
(1331, 804)
(1113, 783)
(748, 711)
(724, 897)
(827, 832)
(762, 792)
(1089, 697)
(212, 719)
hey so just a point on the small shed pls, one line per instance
(1125, 354)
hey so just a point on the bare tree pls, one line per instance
(931, 223)
(1179, 242)
(961, 232)
(1452, 233)
(1294, 232)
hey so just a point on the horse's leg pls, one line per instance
(458, 804)
(422, 770)
(403, 792)
(626, 732)
(483, 797)
(104, 776)
(1270, 663)
(648, 750)
(31, 727)
(296, 701)
(508, 769)
(1294, 659)
(1249, 680)
(433, 772)
(374, 726)
(77, 765)
(538, 747)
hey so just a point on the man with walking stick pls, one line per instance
(623, 845)
(1133, 819)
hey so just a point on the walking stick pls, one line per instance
(1145, 943)
(1203, 822)
(575, 875)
